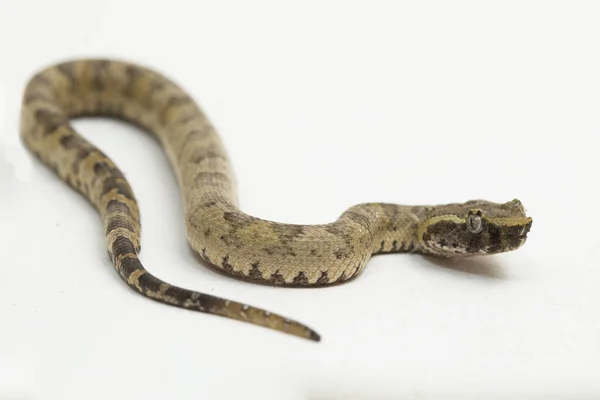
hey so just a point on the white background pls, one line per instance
(321, 105)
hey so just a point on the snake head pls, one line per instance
(476, 227)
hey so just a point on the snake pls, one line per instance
(238, 244)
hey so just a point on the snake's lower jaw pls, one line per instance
(520, 240)
(515, 240)
(510, 245)
(527, 222)
(519, 243)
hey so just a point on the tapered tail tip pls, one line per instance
(314, 336)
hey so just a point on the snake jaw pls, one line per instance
(516, 230)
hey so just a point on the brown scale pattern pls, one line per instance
(239, 244)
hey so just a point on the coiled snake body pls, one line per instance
(224, 236)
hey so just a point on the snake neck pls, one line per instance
(393, 228)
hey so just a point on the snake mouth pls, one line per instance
(527, 228)
(522, 238)
(520, 229)
(510, 234)
(518, 241)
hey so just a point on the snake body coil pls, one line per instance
(224, 236)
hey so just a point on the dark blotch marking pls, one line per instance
(100, 68)
(122, 245)
(30, 97)
(69, 142)
(226, 266)
(173, 102)
(101, 167)
(51, 121)
(122, 187)
(255, 273)
(149, 283)
(68, 70)
(288, 233)
(43, 81)
(206, 154)
(277, 278)
(84, 151)
(128, 265)
(208, 204)
(115, 223)
(420, 211)
(391, 210)
(339, 254)
(395, 245)
(323, 279)
(72, 141)
(228, 239)
(341, 278)
(98, 82)
(382, 245)
(206, 178)
(359, 218)
(337, 229)
(186, 118)
(155, 86)
(300, 279)
(194, 135)
(132, 74)
(236, 219)
(116, 205)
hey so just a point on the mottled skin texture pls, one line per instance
(224, 236)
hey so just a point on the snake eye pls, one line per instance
(474, 222)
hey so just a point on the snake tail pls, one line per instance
(46, 131)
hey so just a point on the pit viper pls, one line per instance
(239, 244)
